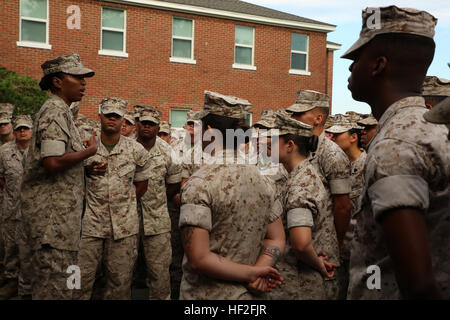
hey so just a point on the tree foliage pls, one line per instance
(21, 91)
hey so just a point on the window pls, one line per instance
(178, 117)
(243, 48)
(299, 54)
(182, 40)
(113, 32)
(34, 24)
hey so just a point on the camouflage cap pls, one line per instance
(343, 123)
(392, 20)
(329, 122)
(113, 105)
(148, 113)
(221, 105)
(440, 113)
(267, 119)
(74, 108)
(434, 86)
(191, 118)
(284, 124)
(129, 116)
(164, 127)
(368, 121)
(70, 64)
(6, 112)
(22, 121)
(308, 100)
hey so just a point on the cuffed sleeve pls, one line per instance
(299, 217)
(398, 191)
(195, 215)
(340, 186)
(52, 148)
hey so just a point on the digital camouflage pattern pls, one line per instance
(156, 223)
(307, 204)
(118, 258)
(51, 283)
(11, 171)
(392, 19)
(235, 203)
(332, 165)
(222, 105)
(406, 166)
(164, 171)
(111, 199)
(308, 99)
(158, 256)
(52, 204)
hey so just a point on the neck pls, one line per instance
(147, 143)
(110, 138)
(317, 131)
(67, 101)
(293, 162)
(22, 145)
(353, 153)
(382, 102)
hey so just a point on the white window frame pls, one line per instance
(177, 109)
(114, 53)
(179, 59)
(244, 66)
(298, 71)
(35, 44)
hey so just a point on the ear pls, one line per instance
(290, 146)
(318, 119)
(57, 82)
(353, 137)
(380, 66)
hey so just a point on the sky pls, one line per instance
(346, 15)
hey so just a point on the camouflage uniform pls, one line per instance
(111, 221)
(52, 203)
(235, 203)
(405, 153)
(6, 112)
(306, 203)
(17, 252)
(156, 223)
(406, 166)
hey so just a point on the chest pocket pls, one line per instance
(126, 173)
(158, 167)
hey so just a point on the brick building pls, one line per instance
(166, 53)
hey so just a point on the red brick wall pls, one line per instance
(330, 55)
(147, 76)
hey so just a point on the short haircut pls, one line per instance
(304, 144)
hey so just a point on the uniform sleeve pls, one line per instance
(196, 204)
(399, 180)
(143, 164)
(2, 166)
(301, 203)
(336, 168)
(53, 139)
(173, 170)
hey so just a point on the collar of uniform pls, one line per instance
(117, 148)
(58, 98)
(312, 155)
(397, 106)
(299, 167)
(156, 149)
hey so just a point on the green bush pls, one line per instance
(22, 91)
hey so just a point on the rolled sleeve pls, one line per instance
(195, 215)
(52, 148)
(340, 186)
(176, 178)
(398, 191)
(276, 211)
(299, 217)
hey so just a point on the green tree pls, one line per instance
(22, 91)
